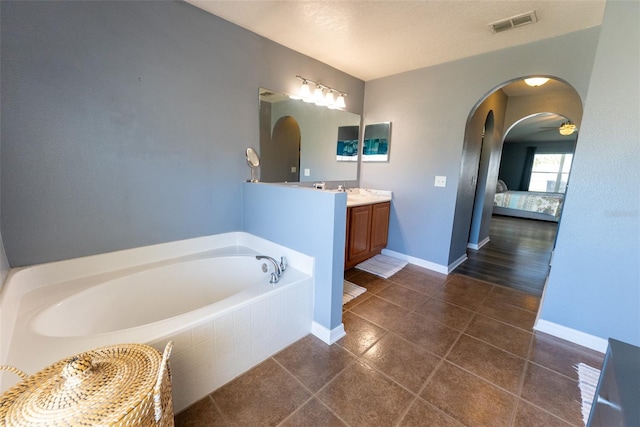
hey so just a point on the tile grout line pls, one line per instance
(415, 395)
(315, 395)
(215, 404)
(430, 377)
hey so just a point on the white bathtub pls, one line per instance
(210, 295)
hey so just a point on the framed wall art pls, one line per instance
(347, 149)
(375, 146)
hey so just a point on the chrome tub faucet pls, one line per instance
(278, 269)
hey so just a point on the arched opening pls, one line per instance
(281, 153)
(527, 121)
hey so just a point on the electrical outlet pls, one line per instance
(307, 172)
(293, 169)
(441, 181)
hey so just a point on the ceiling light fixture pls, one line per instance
(536, 81)
(567, 128)
(333, 98)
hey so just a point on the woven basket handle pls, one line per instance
(157, 389)
(15, 370)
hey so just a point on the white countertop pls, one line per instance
(364, 196)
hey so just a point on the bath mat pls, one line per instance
(587, 381)
(382, 265)
(350, 291)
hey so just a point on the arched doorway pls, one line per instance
(509, 104)
(282, 152)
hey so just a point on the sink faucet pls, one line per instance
(277, 270)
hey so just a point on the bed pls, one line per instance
(527, 204)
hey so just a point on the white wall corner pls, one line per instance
(577, 337)
(477, 246)
(438, 268)
(326, 335)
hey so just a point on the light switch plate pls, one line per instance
(307, 172)
(441, 181)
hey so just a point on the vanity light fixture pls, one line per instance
(567, 128)
(536, 81)
(332, 98)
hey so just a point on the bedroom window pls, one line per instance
(550, 172)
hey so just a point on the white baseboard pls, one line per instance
(456, 263)
(326, 335)
(477, 246)
(577, 337)
(419, 262)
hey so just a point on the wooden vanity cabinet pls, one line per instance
(367, 231)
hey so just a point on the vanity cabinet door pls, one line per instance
(358, 233)
(367, 231)
(379, 226)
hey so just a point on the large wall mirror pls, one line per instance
(299, 141)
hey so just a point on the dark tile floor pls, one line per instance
(422, 349)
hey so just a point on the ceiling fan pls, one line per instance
(565, 129)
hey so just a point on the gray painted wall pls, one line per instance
(124, 123)
(4, 262)
(429, 109)
(594, 285)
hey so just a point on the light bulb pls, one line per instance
(340, 102)
(536, 81)
(318, 96)
(328, 99)
(305, 92)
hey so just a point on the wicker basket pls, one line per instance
(120, 385)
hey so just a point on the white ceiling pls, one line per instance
(539, 128)
(373, 39)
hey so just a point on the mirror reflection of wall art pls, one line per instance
(375, 147)
(347, 150)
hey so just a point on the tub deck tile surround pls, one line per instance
(381, 374)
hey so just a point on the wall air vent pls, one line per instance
(513, 22)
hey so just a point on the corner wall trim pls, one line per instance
(477, 246)
(326, 335)
(577, 337)
(418, 261)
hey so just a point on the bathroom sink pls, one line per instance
(363, 196)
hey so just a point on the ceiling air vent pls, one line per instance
(513, 22)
